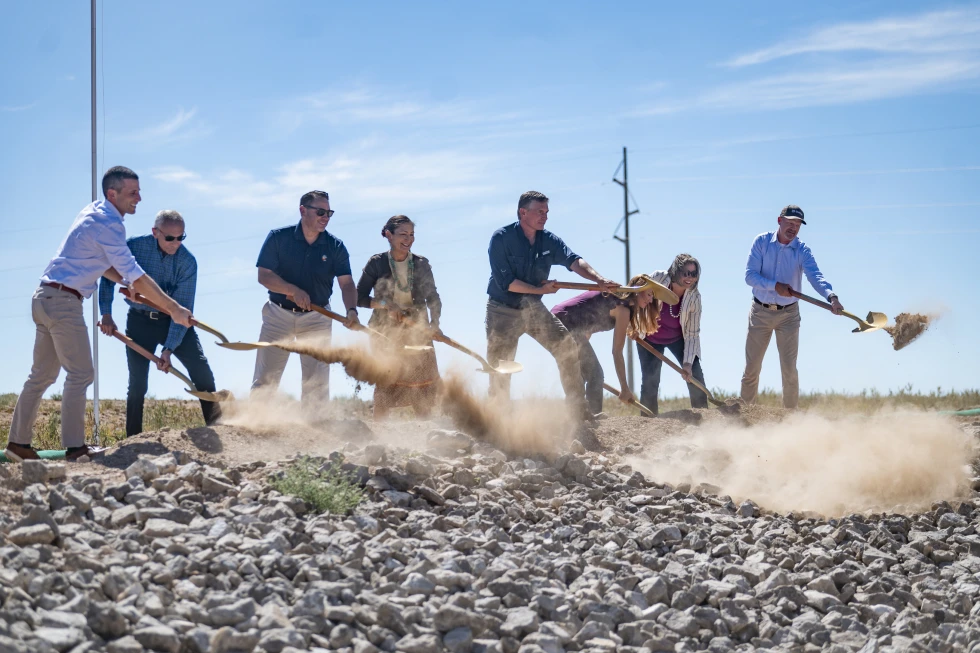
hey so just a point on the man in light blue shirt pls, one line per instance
(95, 246)
(777, 262)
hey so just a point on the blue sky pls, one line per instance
(863, 113)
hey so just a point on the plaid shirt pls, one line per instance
(176, 275)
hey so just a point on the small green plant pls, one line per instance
(56, 396)
(8, 400)
(331, 490)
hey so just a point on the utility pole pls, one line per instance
(626, 243)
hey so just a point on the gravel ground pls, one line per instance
(177, 543)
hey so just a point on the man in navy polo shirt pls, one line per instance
(298, 264)
(521, 256)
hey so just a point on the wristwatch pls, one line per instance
(352, 309)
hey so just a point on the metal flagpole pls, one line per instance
(95, 301)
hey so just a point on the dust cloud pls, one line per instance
(908, 327)
(360, 364)
(899, 461)
(522, 428)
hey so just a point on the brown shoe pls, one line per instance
(18, 453)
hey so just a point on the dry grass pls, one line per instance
(157, 413)
(864, 402)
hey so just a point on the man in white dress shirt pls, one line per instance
(95, 246)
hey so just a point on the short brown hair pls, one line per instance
(314, 195)
(527, 198)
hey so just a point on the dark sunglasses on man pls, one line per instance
(320, 212)
(171, 239)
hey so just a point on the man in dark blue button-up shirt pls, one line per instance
(167, 261)
(298, 264)
(521, 256)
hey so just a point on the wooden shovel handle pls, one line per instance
(697, 384)
(634, 401)
(811, 300)
(340, 318)
(134, 296)
(126, 340)
(446, 340)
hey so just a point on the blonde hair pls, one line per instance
(643, 321)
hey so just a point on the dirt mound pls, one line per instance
(908, 327)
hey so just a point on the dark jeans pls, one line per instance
(150, 333)
(506, 325)
(591, 373)
(650, 367)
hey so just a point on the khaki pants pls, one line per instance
(61, 341)
(762, 323)
(281, 324)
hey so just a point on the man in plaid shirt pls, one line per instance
(163, 257)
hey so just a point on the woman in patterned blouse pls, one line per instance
(406, 309)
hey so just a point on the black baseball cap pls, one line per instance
(792, 211)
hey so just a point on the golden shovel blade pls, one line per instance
(873, 322)
(244, 346)
(216, 397)
(663, 293)
(503, 367)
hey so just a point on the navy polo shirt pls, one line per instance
(311, 267)
(512, 257)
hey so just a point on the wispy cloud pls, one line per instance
(848, 63)
(181, 126)
(19, 107)
(365, 177)
(376, 106)
(932, 33)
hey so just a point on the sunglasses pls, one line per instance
(171, 239)
(690, 273)
(320, 212)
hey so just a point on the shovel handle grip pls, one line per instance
(145, 353)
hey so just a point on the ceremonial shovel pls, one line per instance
(874, 322)
(366, 329)
(725, 408)
(661, 292)
(503, 367)
(632, 401)
(217, 397)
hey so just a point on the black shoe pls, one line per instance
(83, 453)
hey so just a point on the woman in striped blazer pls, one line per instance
(680, 332)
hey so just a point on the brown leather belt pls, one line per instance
(61, 286)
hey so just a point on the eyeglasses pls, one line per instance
(690, 273)
(320, 212)
(171, 239)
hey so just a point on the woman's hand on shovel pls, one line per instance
(688, 372)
